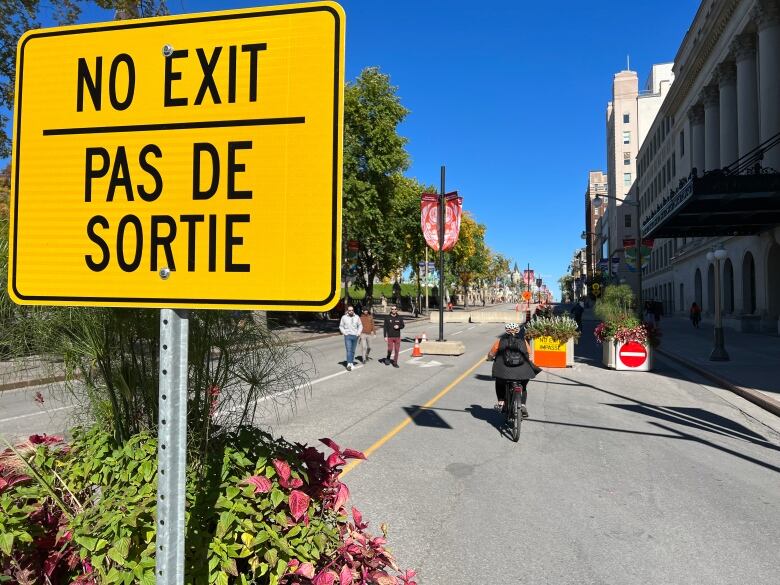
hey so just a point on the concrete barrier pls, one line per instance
(442, 348)
(498, 317)
(451, 317)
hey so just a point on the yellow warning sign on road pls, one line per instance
(183, 161)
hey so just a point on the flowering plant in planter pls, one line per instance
(625, 332)
(561, 328)
(619, 321)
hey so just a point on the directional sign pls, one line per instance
(632, 354)
(184, 161)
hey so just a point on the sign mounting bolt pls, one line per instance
(167, 50)
(165, 273)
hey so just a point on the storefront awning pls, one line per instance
(718, 205)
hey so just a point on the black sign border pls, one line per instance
(172, 302)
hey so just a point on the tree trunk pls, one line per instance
(370, 286)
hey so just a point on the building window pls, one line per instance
(627, 179)
(626, 118)
(626, 158)
(628, 220)
(626, 137)
(682, 143)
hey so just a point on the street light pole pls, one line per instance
(719, 353)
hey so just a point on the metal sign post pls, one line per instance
(172, 446)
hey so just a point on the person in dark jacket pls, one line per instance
(392, 330)
(524, 371)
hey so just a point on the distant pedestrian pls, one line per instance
(350, 327)
(649, 314)
(392, 331)
(384, 304)
(369, 330)
(576, 311)
(695, 315)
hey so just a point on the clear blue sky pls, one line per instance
(510, 96)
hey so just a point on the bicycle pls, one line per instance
(513, 405)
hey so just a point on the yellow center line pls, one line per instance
(368, 452)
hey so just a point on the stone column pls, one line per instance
(711, 98)
(696, 119)
(727, 88)
(744, 48)
(767, 15)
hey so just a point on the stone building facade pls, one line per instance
(709, 169)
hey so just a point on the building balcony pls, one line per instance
(742, 199)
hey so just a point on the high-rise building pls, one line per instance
(629, 117)
(597, 185)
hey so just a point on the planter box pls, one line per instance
(628, 357)
(547, 353)
(608, 353)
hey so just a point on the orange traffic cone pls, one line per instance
(424, 337)
(416, 351)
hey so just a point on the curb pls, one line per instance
(754, 396)
(31, 382)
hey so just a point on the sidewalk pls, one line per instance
(753, 371)
(33, 371)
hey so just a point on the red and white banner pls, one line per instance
(528, 277)
(429, 219)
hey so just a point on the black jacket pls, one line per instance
(525, 371)
(389, 322)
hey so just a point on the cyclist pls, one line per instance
(511, 361)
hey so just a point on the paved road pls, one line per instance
(619, 477)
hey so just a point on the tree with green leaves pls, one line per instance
(19, 16)
(376, 196)
(566, 283)
(470, 257)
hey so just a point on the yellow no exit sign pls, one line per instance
(186, 161)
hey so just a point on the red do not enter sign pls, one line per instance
(632, 354)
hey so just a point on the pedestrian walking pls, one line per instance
(350, 327)
(369, 330)
(695, 313)
(392, 331)
(384, 304)
(576, 311)
(649, 314)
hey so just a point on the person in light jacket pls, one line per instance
(350, 327)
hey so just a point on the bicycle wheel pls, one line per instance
(509, 400)
(517, 419)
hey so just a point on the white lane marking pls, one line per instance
(458, 332)
(2, 420)
(470, 328)
(431, 364)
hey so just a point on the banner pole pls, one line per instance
(172, 446)
(426, 279)
(442, 213)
